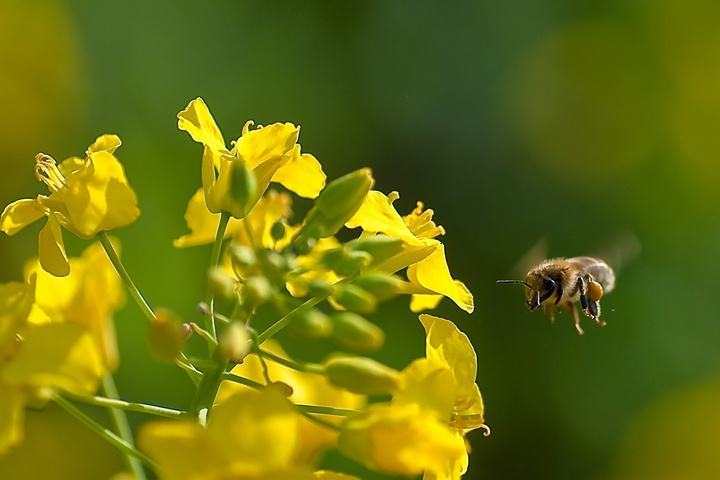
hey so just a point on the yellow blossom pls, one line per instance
(87, 196)
(438, 393)
(251, 435)
(34, 359)
(308, 388)
(88, 296)
(253, 230)
(423, 255)
(270, 152)
(402, 440)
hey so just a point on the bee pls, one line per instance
(560, 283)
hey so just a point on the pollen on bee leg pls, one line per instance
(47, 172)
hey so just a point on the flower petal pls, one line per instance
(428, 384)
(433, 273)
(378, 215)
(51, 249)
(446, 344)
(57, 355)
(16, 301)
(302, 174)
(12, 413)
(104, 143)
(19, 215)
(98, 197)
(268, 143)
(420, 303)
(199, 123)
(202, 224)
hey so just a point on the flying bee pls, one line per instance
(560, 283)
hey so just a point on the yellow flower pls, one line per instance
(37, 358)
(423, 255)
(437, 399)
(88, 296)
(251, 435)
(273, 207)
(270, 152)
(308, 388)
(402, 440)
(87, 196)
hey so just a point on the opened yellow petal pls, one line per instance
(56, 355)
(433, 273)
(51, 249)
(202, 224)
(105, 143)
(378, 215)
(19, 215)
(427, 384)
(16, 300)
(268, 143)
(199, 123)
(420, 303)
(302, 174)
(446, 344)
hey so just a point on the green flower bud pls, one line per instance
(277, 231)
(355, 299)
(354, 332)
(237, 187)
(339, 201)
(274, 264)
(352, 263)
(381, 285)
(380, 247)
(220, 284)
(241, 256)
(167, 335)
(319, 288)
(361, 375)
(234, 344)
(256, 291)
(311, 323)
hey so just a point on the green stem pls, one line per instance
(125, 276)
(320, 421)
(122, 426)
(300, 367)
(209, 385)
(105, 433)
(285, 320)
(127, 406)
(231, 377)
(323, 410)
(214, 262)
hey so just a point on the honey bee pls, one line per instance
(560, 283)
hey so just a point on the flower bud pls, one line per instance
(361, 375)
(335, 205)
(354, 332)
(380, 285)
(319, 288)
(236, 188)
(352, 263)
(277, 231)
(220, 284)
(311, 323)
(167, 335)
(234, 344)
(380, 247)
(256, 291)
(355, 299)
(241, 256)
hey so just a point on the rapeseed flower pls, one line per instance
(87, 196)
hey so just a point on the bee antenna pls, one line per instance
(513, 282)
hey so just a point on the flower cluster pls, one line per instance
(257, 413)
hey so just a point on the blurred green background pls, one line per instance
(515, 121)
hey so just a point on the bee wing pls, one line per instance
(536, 254)
(620, 250)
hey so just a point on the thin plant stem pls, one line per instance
(214, 262)
(122, 427)
(231, 377)
(320, 421)
(125, 276)
(323, 410)
(308, 304)
(299, 366)
(105, 433)
(127, 406)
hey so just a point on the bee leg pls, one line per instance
(576, 319)
(582, 288)
(595, 312)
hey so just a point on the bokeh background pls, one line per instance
(516, 121)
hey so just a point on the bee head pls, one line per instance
(539, 289)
